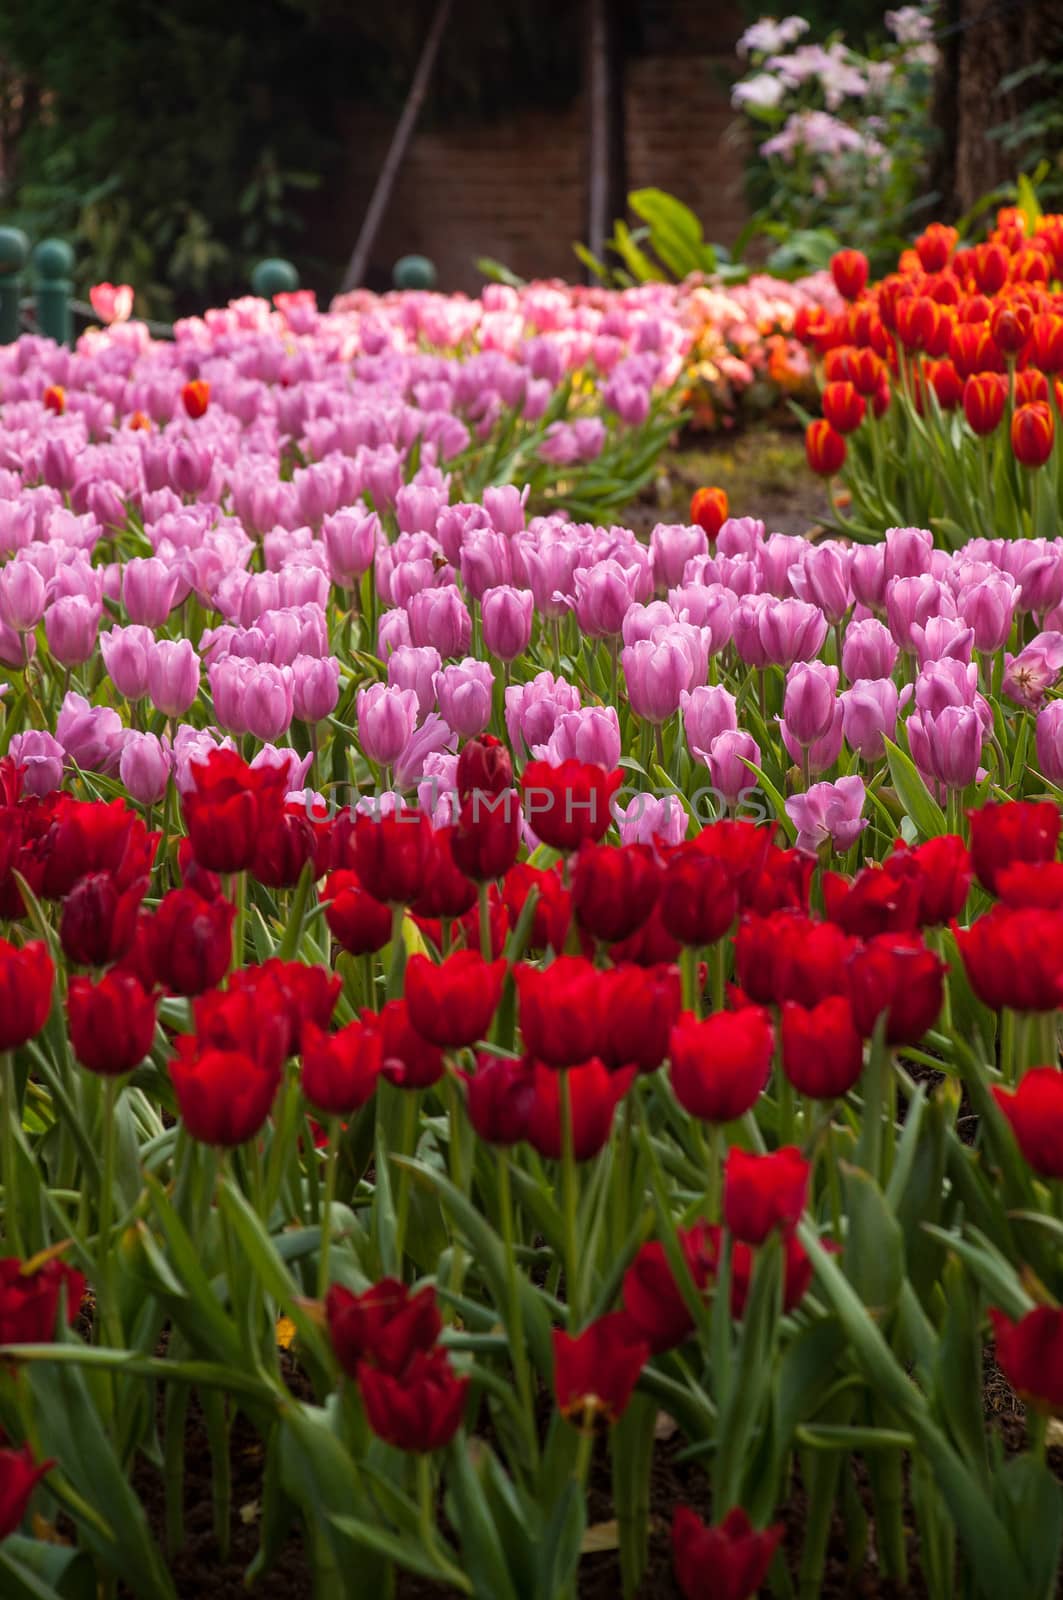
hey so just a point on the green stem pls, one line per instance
(485, 920)
(569, 1197)
(688, 970)
(333, 1126)
(712, 1176)
(516, 1309)
(12, 1225)
(409, 1142)
(397, 969)
(106, 1322)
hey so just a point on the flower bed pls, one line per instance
(941, 396)
(525, 977)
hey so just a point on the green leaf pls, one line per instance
(56, 1568)
(1028, 202)
(403, 1551)
(840, 1436)
(874, 1244)
(1032, 1501)
(560, 1549)
(913, 793)
(482, 1552)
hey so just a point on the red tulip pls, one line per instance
(568, 803)
(29, 1300)
(720, 1065)
(594, 1094)
(251, 1015)
(875, 901)
(484, 766)
(824, 448)
(653, 1299)
(284, 847)
(340, 1070)
(1035, 1111)
(499, 1096)
(788, 956)
(195, 397)
(223, 1096)
(984, 398)
(553, 904)
(1012, 831)
(356, 921)
(1010, 324)
(728, 1561)
(699, 901)
(639, 1007)
(942, 870)
(99, 919)
(934, 246)
(1028, 883)
(26, 979)
(87, 836)
(54, 399)
(112, 1023)
(447, 891)
(304, 992)
(866, 371)
(783, 883)
(410, 1061)
(485, 839)
(1015, 958)
(797, 1274)
(822, 1053)
(560, 1010)
(19, 1476)
(947, 385)
(973, 354)
(189, 941)
(1033, 434)
(230, 806)
(393, 854)
(614, 888)
(843, 406)
(452, 1004)
(762, 1193)
(709, 510)
(991, 263)
(650, 946)
(595, 1372)
(1047, 333)
(419, 1409)
(386, 1325)
(1030, 1355)
(849, 269)
(895, 973)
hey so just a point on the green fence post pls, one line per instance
(414, 272)
(274, 276)
(14, 253)
(53, 262)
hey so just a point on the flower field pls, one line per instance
(482, 994)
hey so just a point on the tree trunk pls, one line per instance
(604, 89)
(982, 42)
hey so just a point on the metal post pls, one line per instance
(53, 262)
(14, 253)
(274, 276)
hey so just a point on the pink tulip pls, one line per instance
(315, 687)
(868, 650)
(387, 719)
(506, 614)
(464, 692)
(869, 714)
(728, 755)
(829, 813)
(657, 675)
(145, 766)
(70, 626)
(173, 676)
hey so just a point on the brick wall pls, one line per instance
(515, 189)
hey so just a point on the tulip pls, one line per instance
(947, 747)
(989, 608)
(41, 760)
(195, 397)
(709, 510)
(843, 407)
(568, 803)
(875, 901)
(825, 449)
(26, 979)
(764, 1192)
(70, 625)
(484, 767)
(868, 650)
(410, 1061)
(603, 594)
(188, 941)
(590, 736)
(809, 701)
(1029, 1353)
(1009, 832)
(99, 918)
(657, 675)
(1033, 434)
(534, 709)
(23, 596)
(1035, 1112)
(173, 676)
(1050, 741)
(553, 905)
(465, 692)
(507, 615)
(869, 716)
(19, 1476)
(145, 766)
(351, 539)
(560, 1010)
(387, 719)
(418, 1410)
(1014, 958)
(984, 398)
(149, 587)
(614, 889)
(223, 1096)
(672, 545)
(595, 1372)
(829, 812)
(822, 1052)
(728, 768)
(112, 1023)
(499, 1096)
(315, 687)
(653, 1300)
(895, 974)
(720, 1065)
(486, 838)
(340, 1070)
(698, 898)
(821, 577)
(251, 1014)
(29, 1299)
(392, 854)
(453, 1004)
(358, 922)
(941, 869)
(728, 1561)
(708, 711)
(1010, 324)
(228, 806)
(849, 269)
(387, 1325)
(439, 617)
